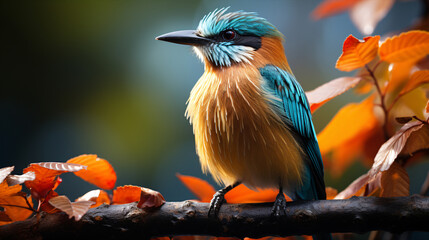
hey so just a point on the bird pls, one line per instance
(251, 118)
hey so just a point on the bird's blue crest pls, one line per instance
(245, 23)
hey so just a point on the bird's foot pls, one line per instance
(279, 208)
(216, 202)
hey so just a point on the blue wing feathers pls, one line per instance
(294, 108)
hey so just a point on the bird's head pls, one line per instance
(223, 39)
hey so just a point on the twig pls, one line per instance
(382, 104)
(358, 214)
(11, 205)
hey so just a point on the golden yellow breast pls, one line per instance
(237, 135)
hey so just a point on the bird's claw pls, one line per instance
(216, 203)
(279, 208)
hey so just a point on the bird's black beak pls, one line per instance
(187, 37)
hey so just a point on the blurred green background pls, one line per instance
(88, 77)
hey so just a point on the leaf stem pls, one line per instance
(28, 203)
(11, 205)
(382, 105)
(420, 120)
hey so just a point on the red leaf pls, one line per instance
(356, 53)
(17, 207)
(46, 206)
(98, 172)
(200, 188)
(331, 193)
(327, 91)
(126, 194)
(145, 197)
(4, 218)
(242, 194)
(390, 149)
(409, 46)
(331, 7)
(45, 180)
(418, 78)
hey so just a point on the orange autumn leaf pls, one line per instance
(303, 237)
(347, 132)
(331, 193)
(17, 207)
(427, 107)
(98, 172)
(45, 180)
(395, 182)
(331, 7)
(327, 91)
(98, 196)
(412, 45)
(364, 145)
(126, 194)
(200, 188)
(4, 219)
(46, 206)
(6, 190)
(418, 78)
(14, 203)
(349, 122)
(356, 53)
(242, 194)
(390, 150)
(146, 197)
(399, 75)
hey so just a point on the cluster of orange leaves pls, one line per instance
(390, 125)
(43, 178)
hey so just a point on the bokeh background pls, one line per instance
(89, 77)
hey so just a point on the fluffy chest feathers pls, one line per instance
(237, 134)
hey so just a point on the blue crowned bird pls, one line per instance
(251, 118)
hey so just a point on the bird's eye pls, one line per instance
(228, 35)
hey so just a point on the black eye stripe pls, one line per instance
(236, 39)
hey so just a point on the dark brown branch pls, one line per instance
(238, 220)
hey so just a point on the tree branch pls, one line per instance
(358, 214)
